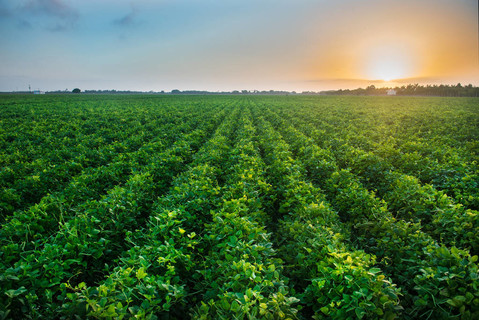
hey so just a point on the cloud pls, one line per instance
(4, 11)
(60, 15)
(345, 81)
(418, 80)
(59, 27)
(24, 24)
(56, 8)
(129, 19)
(375, 81)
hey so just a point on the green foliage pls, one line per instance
(223, 207)
(240, 276)
(401, 246)
(332, 280)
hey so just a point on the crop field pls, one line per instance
(238, 207)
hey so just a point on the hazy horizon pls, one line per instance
(303, 45)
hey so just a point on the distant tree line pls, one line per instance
(405, 90)
(413, 90)
(181, 92)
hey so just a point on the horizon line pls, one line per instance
(249, 91)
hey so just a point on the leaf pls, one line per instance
(140, 274)
(225, 304)
(110, 311)
(360, 312)
(457, 301)
(235, 306)
(325, 310)
(455, 252)
(12, 293)
(452, 302)
(374, 270)
(232, 241)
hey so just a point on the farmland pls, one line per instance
(274, 207)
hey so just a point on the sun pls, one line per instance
(388, 68)
(388, 64)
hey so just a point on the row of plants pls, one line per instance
(415, 140)
(25, 230)
(407, 198)
(438, 281)
(239, 276)
(63, 124)
(25, 182)
(222, 207)
(332, 279)
(154, 278)
(403, 121)
(86, 243)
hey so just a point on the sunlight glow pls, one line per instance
(388, 64)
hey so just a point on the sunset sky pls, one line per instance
(227, 45)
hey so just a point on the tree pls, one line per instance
(76, 90)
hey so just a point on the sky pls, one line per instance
(300, 45)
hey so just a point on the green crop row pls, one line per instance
(448, 222)
(25, 229)
(25, 183)
(240, 278)
(93, 237)
(440, 282)
(238, 207)
(333, 280)
(443, 159)
(154, 276)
